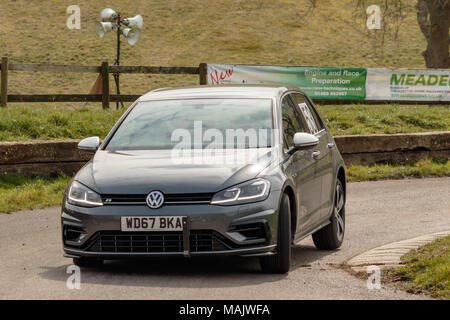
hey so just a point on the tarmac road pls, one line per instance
(32, 265)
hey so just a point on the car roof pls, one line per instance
(219, 91)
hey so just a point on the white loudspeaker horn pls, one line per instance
(103, 27)
(132, 35)
(108, 14)
(135, 22)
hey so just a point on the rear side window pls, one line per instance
(291, 121)
(311, 117)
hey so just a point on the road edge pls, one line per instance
(388, 256)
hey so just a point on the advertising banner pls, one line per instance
(317, 82)
(408, 84)
(342, 83)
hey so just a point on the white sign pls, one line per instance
(408, 84)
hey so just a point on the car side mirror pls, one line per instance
(303, 141)
(90, 144)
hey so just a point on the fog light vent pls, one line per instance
(73, 234)
(251, 231)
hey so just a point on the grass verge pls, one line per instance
(19, 193)
(21, 123)
(419, 169)
(427, 269)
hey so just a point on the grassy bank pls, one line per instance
(283, 32)
(427, 269)
(18, 193)
(19, 123)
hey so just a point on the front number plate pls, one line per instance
(153, 223)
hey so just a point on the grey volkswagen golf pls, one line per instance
(245, 170)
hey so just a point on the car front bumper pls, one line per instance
(242, 230)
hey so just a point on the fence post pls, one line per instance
(4, 83)
(203, 72)
(105, 85)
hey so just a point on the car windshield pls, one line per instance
(216, 123)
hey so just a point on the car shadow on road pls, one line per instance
(199, 272)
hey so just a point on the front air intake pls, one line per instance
(73, 234)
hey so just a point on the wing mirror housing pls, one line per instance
(304, 141)
(90, 144)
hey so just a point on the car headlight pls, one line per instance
(250, 191)
(82, 196)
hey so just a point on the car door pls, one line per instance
(302, 167)
(323, 152)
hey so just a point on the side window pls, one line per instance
(291, 123)
(310, 115)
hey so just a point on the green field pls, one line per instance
(18, 123)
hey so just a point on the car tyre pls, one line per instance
(280, 262)
(87, 262)
(331, 236)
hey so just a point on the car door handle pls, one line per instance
(316, 154)
(330, 145)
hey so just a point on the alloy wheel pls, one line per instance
(338, 212)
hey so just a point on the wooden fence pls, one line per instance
(105, 70)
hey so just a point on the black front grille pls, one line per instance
(153, 242)
(188, 197)
(124, 199)
(169, 199)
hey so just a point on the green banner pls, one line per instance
(317, 82)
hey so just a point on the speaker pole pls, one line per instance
(117, 62)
